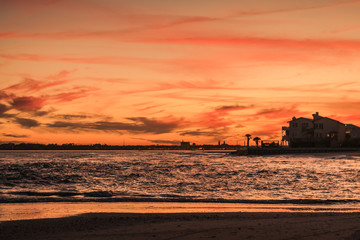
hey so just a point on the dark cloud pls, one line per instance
(81, 116)
(69, 125)
(27, 123)
(40, 113)
(270, 111)
(3, 95)
(199, 132)
(138, 125)
(232, 107)
(15, 136)
(174, 142)
(159, 141)
(3, 109)
(27, 104)
(72, 116)
(144, 124)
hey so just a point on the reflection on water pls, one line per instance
(22, 211)
(177, 176)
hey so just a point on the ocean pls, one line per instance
(178, 176)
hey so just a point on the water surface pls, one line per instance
(177, 176)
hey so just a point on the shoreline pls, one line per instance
(255, 151)
(240, 225)
(42, 210)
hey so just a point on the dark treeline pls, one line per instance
(71, 146)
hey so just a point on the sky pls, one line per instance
(159, 72)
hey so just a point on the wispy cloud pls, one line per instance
(173, 142)
(27, 122)
(268, 132)
(185, 40)
(266, 42)
(136, 125)
(280, 112)
(30, 85)
(17, 96)
(204, 132)
(15, 135)
(78, 92)
(233, 107)
(314, 6)
(346, 29)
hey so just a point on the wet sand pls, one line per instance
(241, 225)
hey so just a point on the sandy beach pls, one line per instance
(262, 225)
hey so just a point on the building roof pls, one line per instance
(320, 117)
(300, 118)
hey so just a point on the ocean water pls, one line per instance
(177, 176)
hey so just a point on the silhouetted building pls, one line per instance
(352, 131)
(270, 143)
(184, 144)
(317, 132)
(352, 135)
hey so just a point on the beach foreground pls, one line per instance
(262, 225)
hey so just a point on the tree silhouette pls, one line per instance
(248, 136)
(257, 139)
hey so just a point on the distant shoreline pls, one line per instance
(235, 149)
(71, 146)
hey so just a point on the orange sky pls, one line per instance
(158, 72)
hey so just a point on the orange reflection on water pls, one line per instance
(22, 211)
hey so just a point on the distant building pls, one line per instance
(352, 135)
(184, 144)
(318, 132)
(299, 132)
(270, 143)
(352, 131)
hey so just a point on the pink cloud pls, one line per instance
(280, 112)
(268, 132)
(31, 85)
(269, 42)
(185, 39)
(217, 118)
(295, 9)
(346, 29)
(107, 60)
(78, 92)
(348, 118)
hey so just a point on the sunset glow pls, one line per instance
(158, 72)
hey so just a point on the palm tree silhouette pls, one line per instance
(248, 136)
(257, 139)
